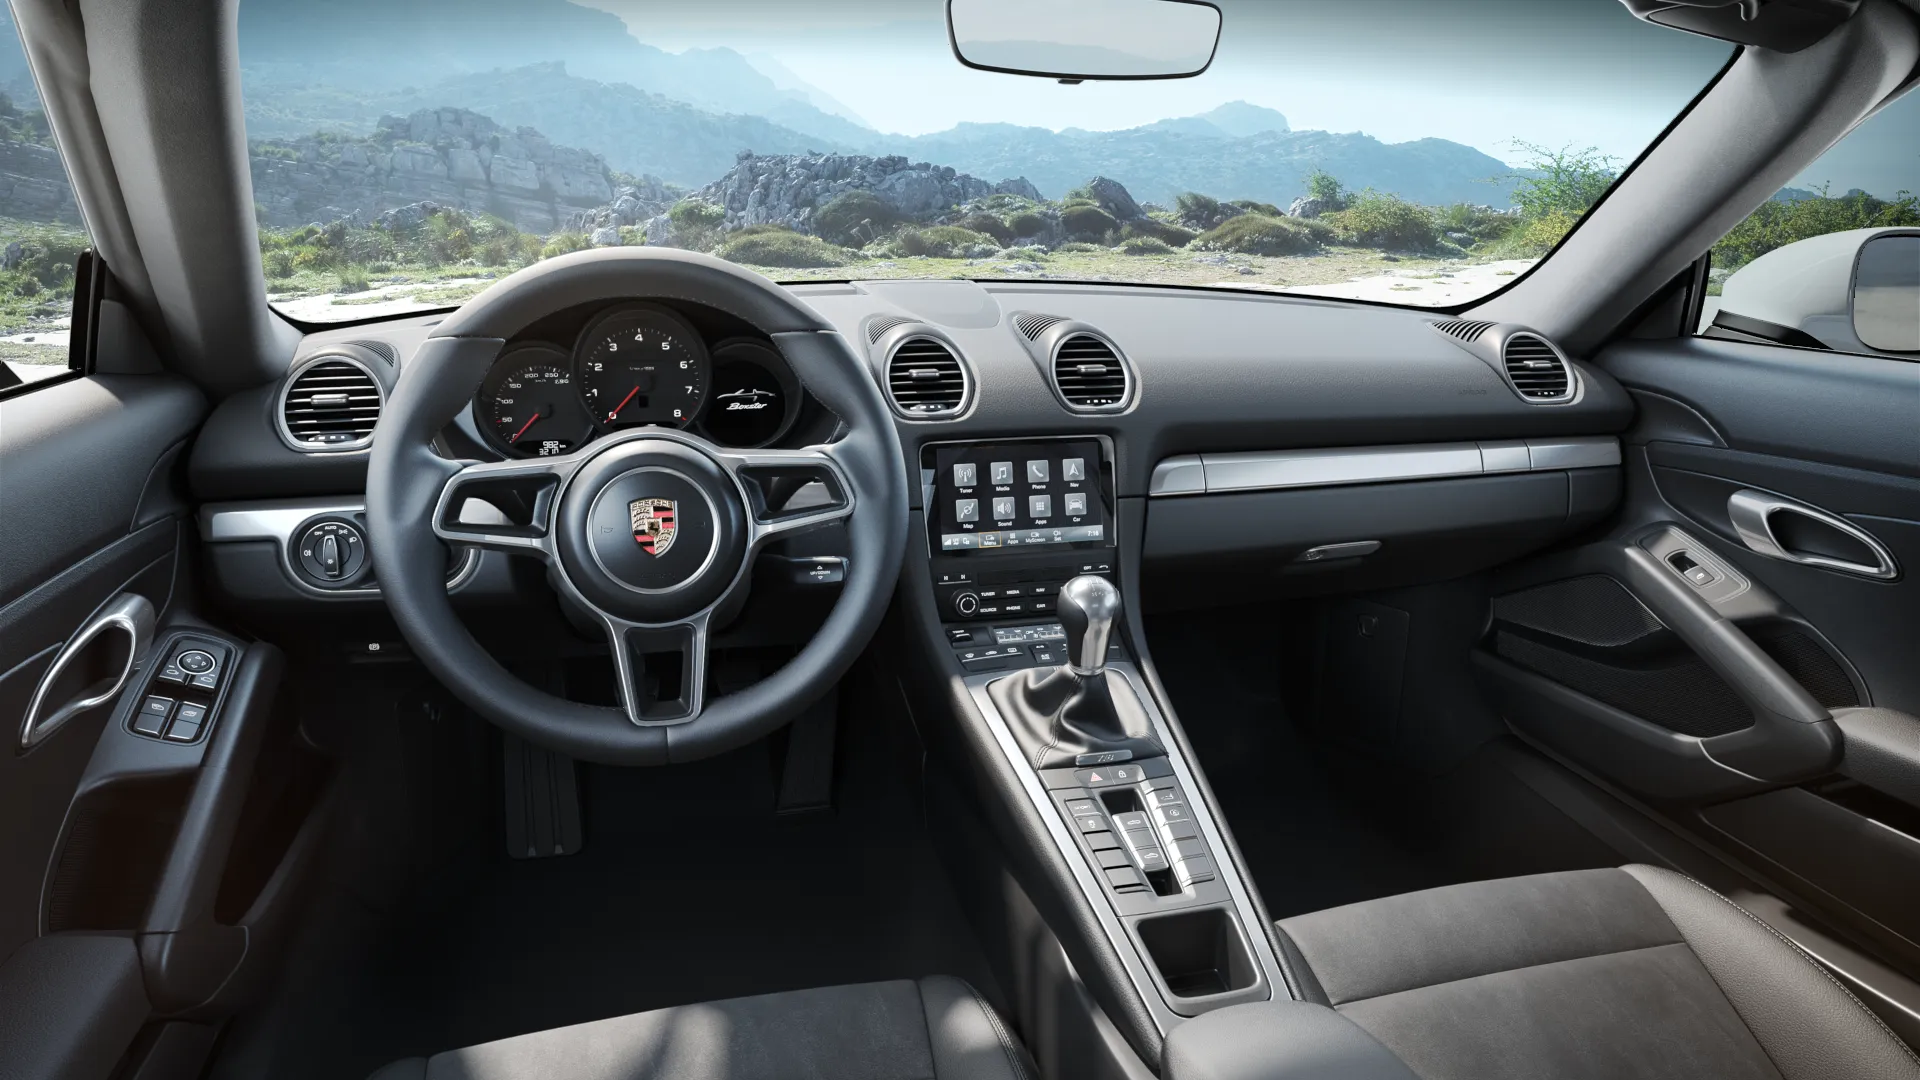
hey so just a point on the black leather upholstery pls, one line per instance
(1630, 974)
(936, 1028)
(1058, 715)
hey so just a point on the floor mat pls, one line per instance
(688, 889)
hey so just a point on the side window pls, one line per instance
(41, 234)
(1833, 260)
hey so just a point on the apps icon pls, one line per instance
(1040, 506)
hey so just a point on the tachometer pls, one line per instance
(642, 365)
(528, 403)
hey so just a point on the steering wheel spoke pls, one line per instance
(790, 491)
(661, 670)
(504, 505)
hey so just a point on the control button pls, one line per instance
(152, 717)
(1187, 849)
(1039, 472)
(989, 594)
(1124, 877)
(1139, 840)
(1180, 830)
(1159, 782)
(1013, 591)
(1013, 609)
(1171, 813)
(189, 713)
(205, 682)
(1151, 859)
(1135, 819)
(1004, 508)
(1000, 472)
(155, 705)
(966, 474)
(1194, 870)
(1107, 860)
(1047, 656)
(966, 510)
(1102, 841)
(171, 673)
(1700, 575)
(1108, 776)
(1164, 796)
(959, 635)
(183, 732)
(196, 661)
(1040, 506)
(1076, 503)
(1077, 807)
(1091, 822)
(966, 604)
(989, 609)
(955, 577)
(989, 539)
(331, 552)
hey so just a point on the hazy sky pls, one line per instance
(1480, 72)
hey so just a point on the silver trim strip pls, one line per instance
(275, 521)
(1205, 474)
(1093, 890)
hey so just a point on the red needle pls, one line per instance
(524, 427)
(622, 405)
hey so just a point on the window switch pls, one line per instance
(209, 681)
(153, 715)
(189, 713)
(1111, 858)
(1122, 877)
(183, 732)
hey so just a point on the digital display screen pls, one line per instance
(1013, 496)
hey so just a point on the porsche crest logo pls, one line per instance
(654, 525)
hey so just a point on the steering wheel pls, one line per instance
(651, 531)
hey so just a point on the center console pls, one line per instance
(1012, 526)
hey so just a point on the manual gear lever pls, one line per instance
(1078, 713)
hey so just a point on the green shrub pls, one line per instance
(1027, 223)
(692, 215)
(941, 241)
(1322, 185)
(351, 279)
(1781, 222)
(563, 243)
(1001, 232)
(1148, 228)
(1477, 224)
(1145, 245)
(854, 217)
(1530, 238)
(1563, 181)
(1086, 221)
(1258, 234)
(313, 258)
(1202, 212)
(769, 246)
(1249, 206)
(633, 235)
(1388, 222)
(1078, 246)
(278, 265)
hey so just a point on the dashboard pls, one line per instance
(633, 365)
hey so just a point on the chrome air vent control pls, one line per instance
(926, 380)
(330, 402)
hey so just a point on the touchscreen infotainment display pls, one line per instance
(1014, 496)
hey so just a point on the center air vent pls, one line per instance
(1089, 375)
(1536, 370)
(331, 403)
(926, 380)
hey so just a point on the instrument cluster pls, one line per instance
(634, 365)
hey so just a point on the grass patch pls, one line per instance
(1258, 234)
(781, 247)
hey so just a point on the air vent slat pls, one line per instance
(1089, 374)
(925, 379)
(1464, 329)
(1033, 324)
(1537, 372)
(878, 327)
(331, 405)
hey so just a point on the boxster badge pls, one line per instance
(654, 525)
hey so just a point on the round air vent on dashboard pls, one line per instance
(1089, 374)
(330, 403)
(926, 380)
(1537, 371)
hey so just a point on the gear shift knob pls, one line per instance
(1088, 608)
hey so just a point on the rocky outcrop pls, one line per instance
(631, 205)
(788, 189)
(1112, 196)
(1306, 206)
(451, 157)
(33, 183)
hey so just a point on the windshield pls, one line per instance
(406, 153)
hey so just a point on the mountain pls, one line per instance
(382, 46)
(637, 132)
(1240, 119)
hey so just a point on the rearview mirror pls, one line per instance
(1077, 40)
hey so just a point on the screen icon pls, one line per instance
(1004, 508)
(1000, 472)
(1073, 468)
(966, 510)
(1039, 472)
(1076, 504)
(966, 474)
(1040, 506)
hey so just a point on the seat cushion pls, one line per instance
(936, 1028)
(1630, 974)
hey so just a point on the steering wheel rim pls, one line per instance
(410, 488)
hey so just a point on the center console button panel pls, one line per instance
(184, 690)
(1135, 815)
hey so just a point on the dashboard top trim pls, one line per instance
(1210, 474)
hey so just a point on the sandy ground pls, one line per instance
(36, 354)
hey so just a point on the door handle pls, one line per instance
(1753, 512)
(129, 614)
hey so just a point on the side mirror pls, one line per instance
(1078, 40)
(1886, 293)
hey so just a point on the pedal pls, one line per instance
(543, 802)
(806, 777)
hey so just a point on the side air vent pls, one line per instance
(926, 380)
(1089, 375)
(1032, 325)
(330, 403)
(1537, 371)
(877, 327)
(1464, 329)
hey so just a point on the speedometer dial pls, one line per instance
(528, 403)
(642, 365)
